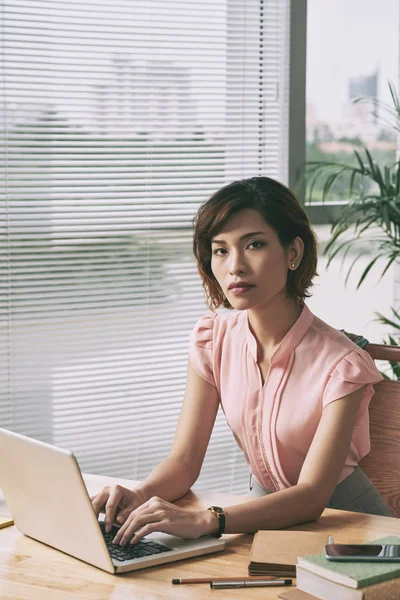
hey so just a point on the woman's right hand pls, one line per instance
(117, 502)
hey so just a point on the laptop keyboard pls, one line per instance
(128, 552)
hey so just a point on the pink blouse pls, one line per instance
(274, 424)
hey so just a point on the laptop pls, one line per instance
(48, 500)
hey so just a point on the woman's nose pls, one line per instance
(236, 263)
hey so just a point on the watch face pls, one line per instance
(217, 509)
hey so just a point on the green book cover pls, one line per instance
(353, 574)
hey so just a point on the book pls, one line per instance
(275, 552)
(296, 595)
(325, 589)
(352, 574)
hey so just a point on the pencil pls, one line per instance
(210, 579)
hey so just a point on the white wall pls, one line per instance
(345, 307)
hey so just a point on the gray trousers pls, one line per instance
(355, 493)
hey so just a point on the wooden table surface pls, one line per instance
(30, 570)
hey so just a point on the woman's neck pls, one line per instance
(270, 324)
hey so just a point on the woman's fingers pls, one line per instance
(117, 502)
(148, 510)
(133, 527)
(115, 497)
(149, 528)
(160, 515)
(124, 514)
(133, 522)
(114, 501)
(99, 500)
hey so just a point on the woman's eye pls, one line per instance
(256, 245)
(219, 251)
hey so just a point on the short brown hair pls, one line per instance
(280, 209)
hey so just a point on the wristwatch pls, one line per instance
(218, 512)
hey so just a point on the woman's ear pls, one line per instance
(295, 255)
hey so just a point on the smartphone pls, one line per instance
(363, 552)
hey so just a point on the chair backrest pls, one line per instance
(382, 464)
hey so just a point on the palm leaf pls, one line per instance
(352, 180)
(338, 249)
(389, 263)
(367, 269)
(386, 321)
(395, 368)
(357, 258)
(395, 98)
(359, 160)
(332, 242)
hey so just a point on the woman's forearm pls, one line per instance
(170, 480)
(282, 509)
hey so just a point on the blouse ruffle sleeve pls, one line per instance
(201, 348)
(352, 372)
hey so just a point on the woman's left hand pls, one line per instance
(159, 515)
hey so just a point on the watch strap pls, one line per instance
(220, 514)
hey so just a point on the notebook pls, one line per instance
(275, 552)
(352, 574)
(48, 501)
(330, 590)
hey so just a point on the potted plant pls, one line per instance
(372, 211)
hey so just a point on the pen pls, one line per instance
(229, 584)
(210, 579)
(5, 522)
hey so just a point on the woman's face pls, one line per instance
(249, 262)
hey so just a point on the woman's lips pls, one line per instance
(240, 290)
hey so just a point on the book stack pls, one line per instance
(329, 580)
(275, 552)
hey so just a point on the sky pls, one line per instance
(348, 38)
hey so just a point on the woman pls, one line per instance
(294, 390)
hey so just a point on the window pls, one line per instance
(352, 52)
(119, 120)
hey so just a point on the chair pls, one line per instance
(382, 464)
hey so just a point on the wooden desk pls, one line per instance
(30, 570)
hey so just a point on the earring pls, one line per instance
(292, 265)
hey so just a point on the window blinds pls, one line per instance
(118, 120)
